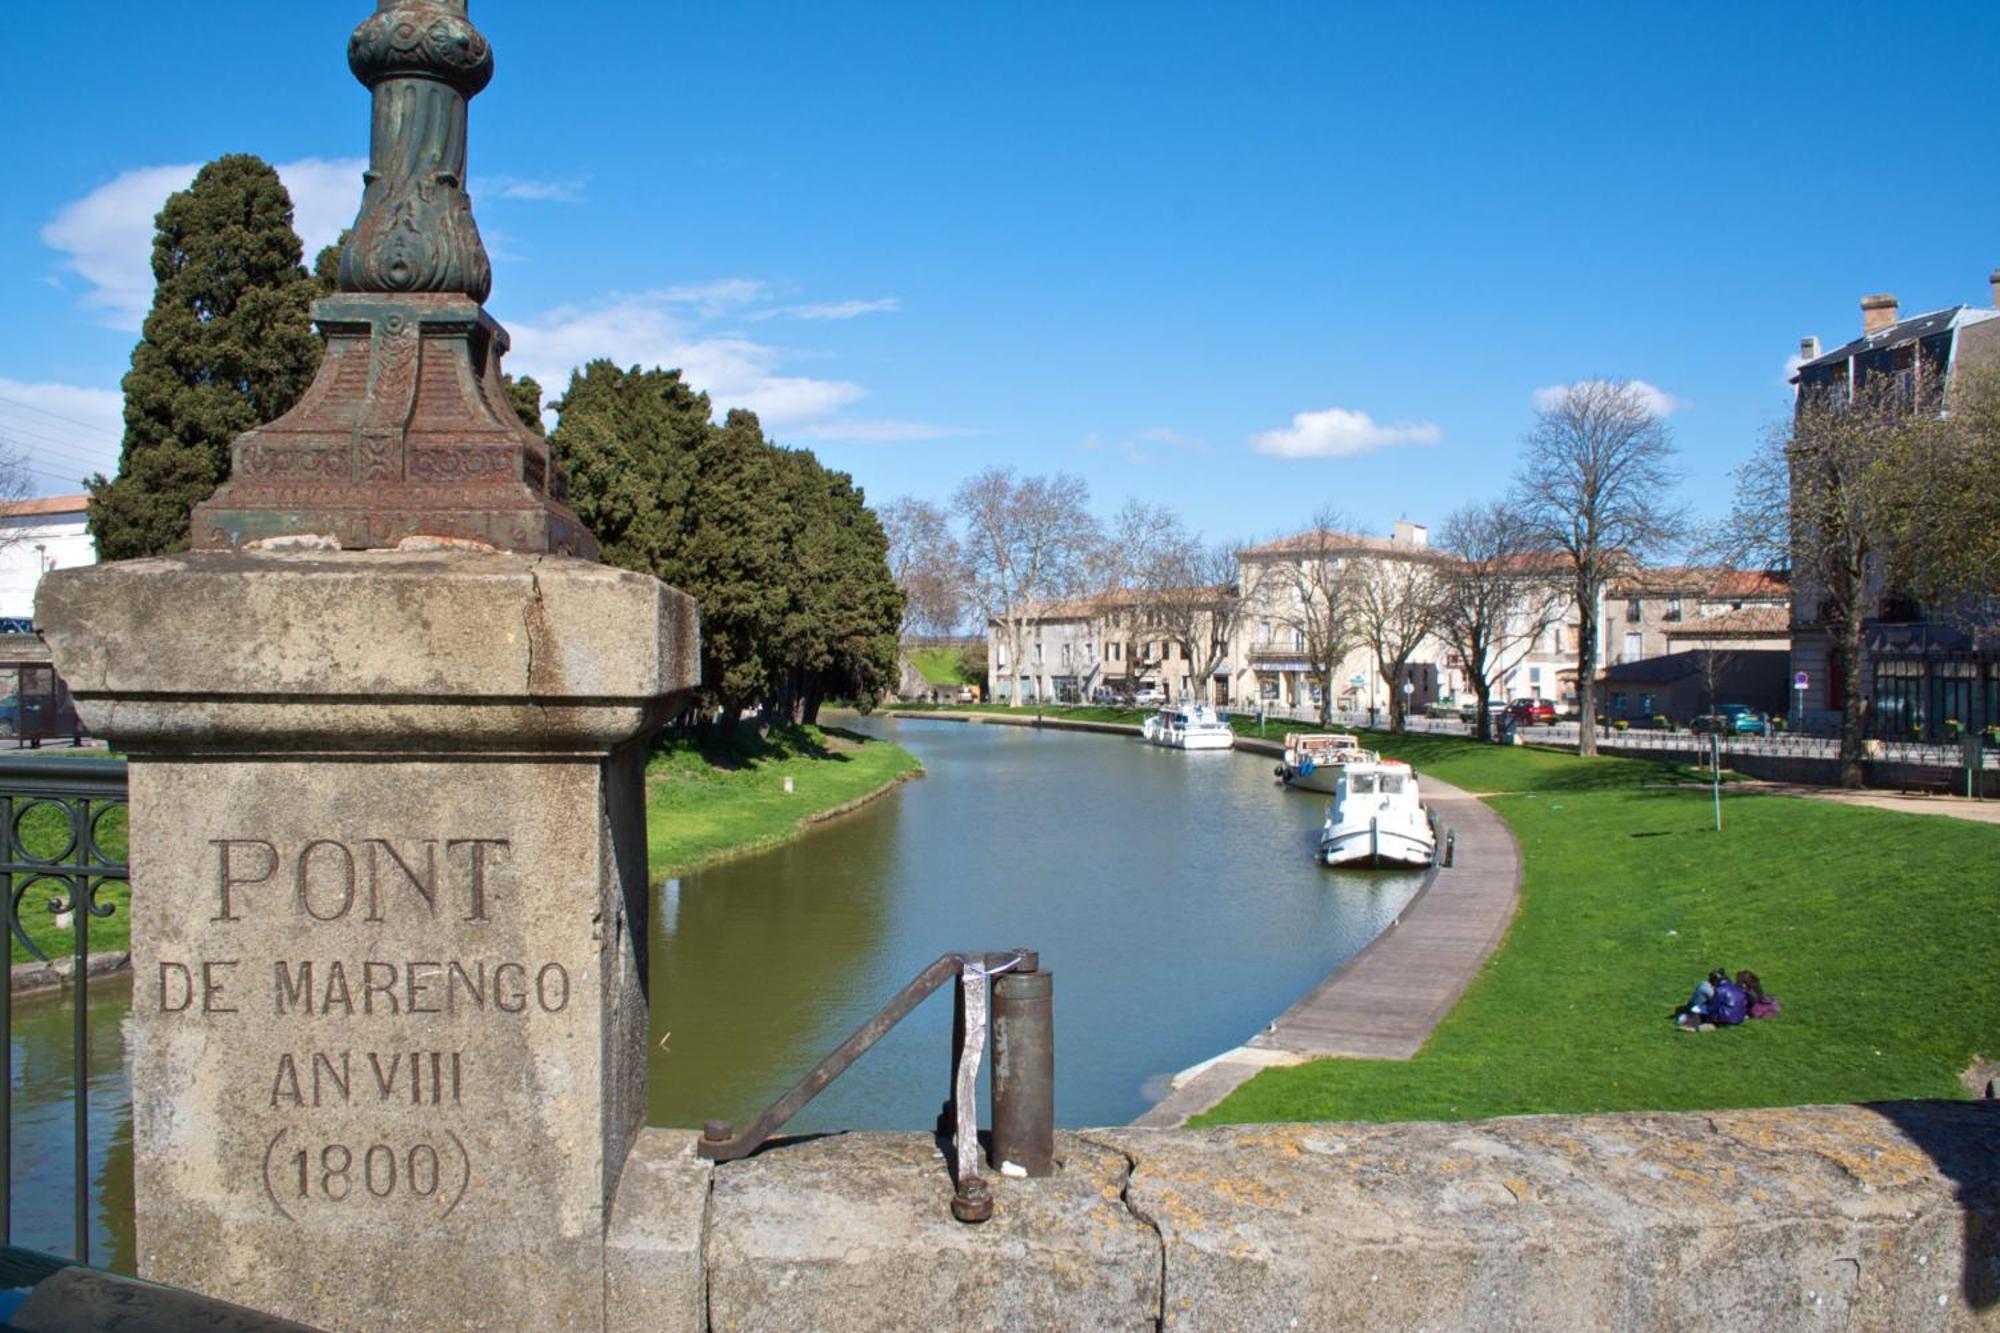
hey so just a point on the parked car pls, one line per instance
(1733, 720)
(1150, 697)
(1468, 712)
(1532, 712)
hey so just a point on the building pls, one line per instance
(1650, 605)
(37, 536)
(1919, 670)
(1081, 649)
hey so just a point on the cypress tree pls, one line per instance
(227, 346)
(627, 439)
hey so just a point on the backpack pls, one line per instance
(1765, 1008)
(1729, 1005)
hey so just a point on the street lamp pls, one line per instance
(1409, 688)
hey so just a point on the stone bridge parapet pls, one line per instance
(1821, 1217)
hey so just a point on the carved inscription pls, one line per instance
(343, 900)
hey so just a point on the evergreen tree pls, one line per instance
(737, 563)
(526, 395)
(227, 346)
(628, 439)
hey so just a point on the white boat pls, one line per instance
(1189, 727)
(1313, 759)
(1376, 819)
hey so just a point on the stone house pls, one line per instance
(1649, 605)
(1919, 668)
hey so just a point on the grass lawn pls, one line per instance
(704, 804)
(1875, 929)
(44, 833)
(940, 666)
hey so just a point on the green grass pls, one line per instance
(1873, 928)
(940, 666)
(707, 803)
(43, 829)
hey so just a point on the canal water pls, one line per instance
(1173, 895)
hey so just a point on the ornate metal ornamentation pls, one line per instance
(407, 431)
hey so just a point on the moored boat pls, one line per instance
(1188, 727)
(1313, 759)
(1376, 818)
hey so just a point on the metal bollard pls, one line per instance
(1024, 1072)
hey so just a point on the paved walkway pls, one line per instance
(1384, 1002)
(1908, 803)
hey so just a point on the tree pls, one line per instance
(1496, 598)
(1026, 540)
(1811, 500)
(840, 633)
(926, 563)
(1595, 484)
(227, 346)
(1191, 597)
(628, 439)
(1306, 585)
(525, 393)
(1396, 607)
(1938, 482)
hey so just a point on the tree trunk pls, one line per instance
(1853, 714)
(1326, 697)
(1482, 692)
(1586, 677)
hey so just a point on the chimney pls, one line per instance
(1809, 348)
(1994, 278)
(1877, 312)
(1406, 533)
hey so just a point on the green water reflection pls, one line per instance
(1174, 896)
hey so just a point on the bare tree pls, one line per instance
(1397, 603)
(1499, 596)
(1192, 599)
(13, 487)
(926, 563)
(1596, 483)
(1810, 500)
(1026, 540)
(1305, 583)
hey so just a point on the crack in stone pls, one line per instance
(1151, 1224)
(707, 1269)
(531, 627)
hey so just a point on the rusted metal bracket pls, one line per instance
(972, 1200)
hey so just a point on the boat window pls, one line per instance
(1392, 782)
(1363, 784)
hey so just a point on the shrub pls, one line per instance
(1621, 725)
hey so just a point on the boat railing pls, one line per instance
(1012, 988)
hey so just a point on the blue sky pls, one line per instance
(1244, 260)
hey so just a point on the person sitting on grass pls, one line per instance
(1695, 1012)
(1761, 1005)
(1730, 1005)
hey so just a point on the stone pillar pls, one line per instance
(388, 916)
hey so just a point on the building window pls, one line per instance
(1298, 640)
(1065, 654)
(1263, 633)
(1899, 698)
(1632, 612)
(1673, 608)
(1559, 638)
(1038, 654)
(1954, 696)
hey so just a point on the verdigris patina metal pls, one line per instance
(407, 431)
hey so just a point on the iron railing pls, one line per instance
(61, 830)
(1023, 1084)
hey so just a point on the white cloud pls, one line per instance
(106, 237)
(1657, 400)
(654, 329)
(1337, 432)
(882, 430)
(61, 432)
(527, 189)
(839, 309)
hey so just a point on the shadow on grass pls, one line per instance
(1963, 1140)
(752, 749)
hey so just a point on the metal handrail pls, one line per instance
(1023, 1072)
(85, 791)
